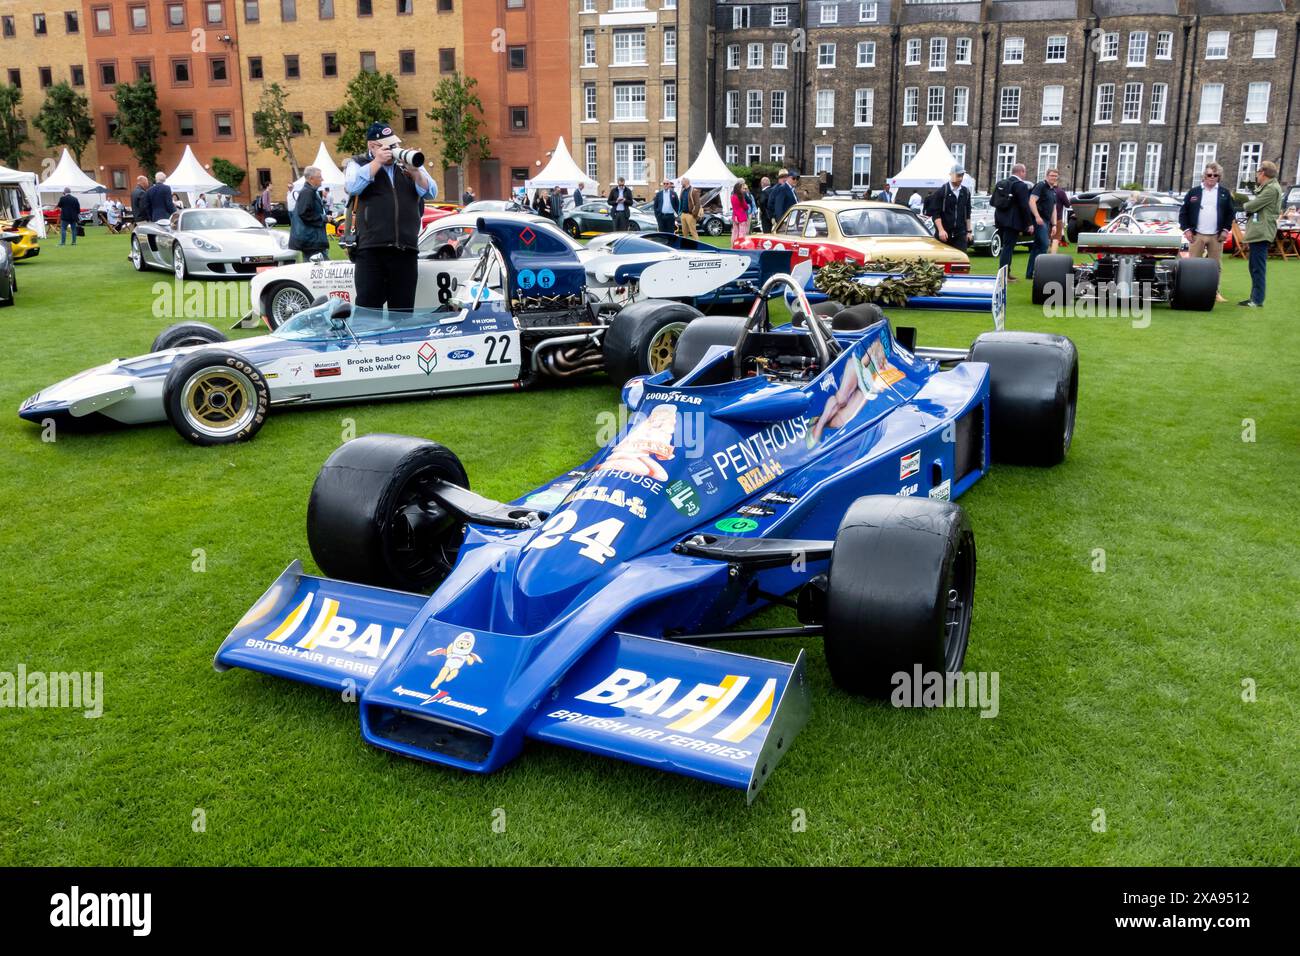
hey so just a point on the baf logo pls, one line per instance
(938, 689)
(76, 909)
(1107, 302)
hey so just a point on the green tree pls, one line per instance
(139, 122)
(457, 117)
(275, 126)
(13, 131)
(371, 98)
(64, 119)
(230, 174)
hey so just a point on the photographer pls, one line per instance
(1263, 207)
(386, 190)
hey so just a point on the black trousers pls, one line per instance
(386, 274)
(621, 221)
(666, 223)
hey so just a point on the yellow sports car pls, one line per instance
(840, 230)
(27, 244)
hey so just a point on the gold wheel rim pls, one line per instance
(219, 402)
(663, 346)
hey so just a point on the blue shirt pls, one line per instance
(357, 177)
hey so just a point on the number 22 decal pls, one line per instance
(492, 342)
(597, 540)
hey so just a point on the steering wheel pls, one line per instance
(823, 342)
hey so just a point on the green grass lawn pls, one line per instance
(1120, 691)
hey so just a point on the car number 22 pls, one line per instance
(498, 350)
(597, 540)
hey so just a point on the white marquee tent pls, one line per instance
(709, 171)
(930, 167)
(332, 177)
(22, 195)
(68, 175)
(562, 173)
(191, 178)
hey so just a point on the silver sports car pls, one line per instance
(225, 243)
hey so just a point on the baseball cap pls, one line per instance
(383, 134)
(957, 168)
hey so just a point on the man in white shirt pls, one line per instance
(1207, 216)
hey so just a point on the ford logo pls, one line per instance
(460, 355)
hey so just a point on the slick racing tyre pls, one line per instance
(1050, 272)
(182, 334)
(370, 518)
(1034, 391)
(889, 617)
(216, 397)
(642, 339)
(701, 335)
(1196, 283)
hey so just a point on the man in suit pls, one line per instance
(620, 205)
(159, 198)
(688, 202)
(140, 205)
(782, 195)
(764, 217)
(578, 197)
(666, 207)
(1015, 218)
(949, 208)
(1206, 216)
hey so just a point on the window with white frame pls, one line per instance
(1053, 104)
(754, 108)
(1105, 111)
(1109, 47)
(823, 158)
(1216, 45)
(755, 58)
(830, 13)
(864, 107)
(934, 104)
(589, 103)
(866, 53)
(1048, 153)
(1257, 95)
(1126, 162)
(753, 154)
(733, 56)
(1099, 168)
(1159, 99)
(629, 48)
(1205, 154)
(1151, 168)
(1165, 45)
(629, 101)
(588, 6)
(1137, 48)
(733, 107)
(670, 99)
(776, 154)
(588, 47)
(591, 158)
(1013, 50)
(1006, 160)
(913, 52)
(1251, 154)
(1265, 45)
(911, 105)
(825, 56)
(780, 16)
(961, 51)
(778, 108)
(938, 53)
(1056, 46)
(862, 166)
(825, 112)
(740, 18)
(1211, 104)
(780, 56)
(960, 105)
(1009, 106)
(1132, 108)
(909, 152)
(958, 151)
(670, 45)
(670, 159)
(619, 5)
(733, 154)
(868, 12)
(629, 160)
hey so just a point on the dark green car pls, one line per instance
(594, 218)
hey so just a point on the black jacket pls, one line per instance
(658, 208)
(951, 208)
(1017, 216)
(307, 222)
(139, 204)
(69, 209)
(780, 200)
(626, 197)
(1191, 210)
(158, 202)
(387, 213)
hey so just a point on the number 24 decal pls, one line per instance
(597, 540)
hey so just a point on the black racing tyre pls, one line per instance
(1196, 283)
(136, 254)
(1050, 272)
(642, 338)
(371, 520)
(701, 335)
(183, 334)
(857, 317)
(216, 397)
(1034, 386)
(885, 617)
(713, 226)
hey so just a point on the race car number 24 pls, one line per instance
(597, 540)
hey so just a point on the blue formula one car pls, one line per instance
(819, 460)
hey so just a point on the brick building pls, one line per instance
(1112, 92)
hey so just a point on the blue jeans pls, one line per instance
(64, 226)
(1042, 236)
(1258, 271)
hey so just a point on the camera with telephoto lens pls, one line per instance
(408, 157)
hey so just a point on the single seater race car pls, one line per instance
(224, 243)
(1127, 268)
(525, 316)
(822, 459)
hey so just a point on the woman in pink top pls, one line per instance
(739, 214)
